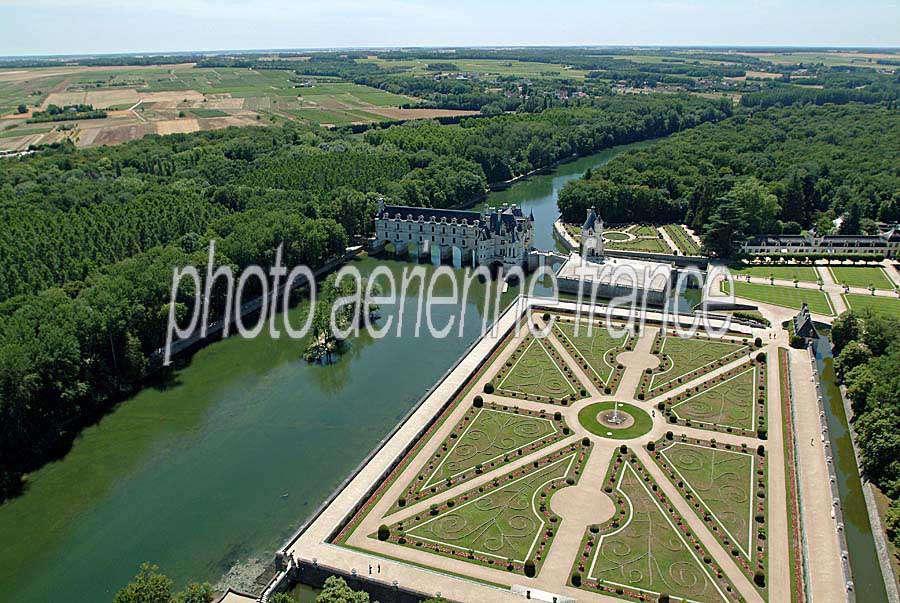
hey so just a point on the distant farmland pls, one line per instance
(183, 98)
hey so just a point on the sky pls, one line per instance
(29, 27)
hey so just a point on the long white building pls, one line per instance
(497, 236)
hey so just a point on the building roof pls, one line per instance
(427, 213)
(803, 324)
(591, 220)
(621, 272)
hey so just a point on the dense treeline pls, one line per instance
(867, 361)
(511, 145)
(775, 170)
(89, 237)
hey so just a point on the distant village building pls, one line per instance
(497, 236)
(886, 244)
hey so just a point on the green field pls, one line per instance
(208, 113)
(861, 276)
(483, 67)
(502, 523)
(731, 403)
(647, 551)
(787, 297)
(683, 356)
(878, 304)
(597, 349)
(16, 132)
(535, 372)
(785, 273)
(724, 482)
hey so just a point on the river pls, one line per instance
(864, 566)
(220, 465)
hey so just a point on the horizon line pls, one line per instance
(687, 46)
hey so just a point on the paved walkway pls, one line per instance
(825, 570)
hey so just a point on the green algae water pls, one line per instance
(225, 461)
(864, 566)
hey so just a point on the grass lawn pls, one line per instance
(731, 403)
(647, 551)
(597, 349)
(684, 355)
(535, 372)
(788, 273)
(787, 297)
(881, 305)
(861, 276)
(501, 523)
(685, 242)
(724, 481)
(653, 245)
(644, 230)
(486, 438)
(587, 416)
(614, 235)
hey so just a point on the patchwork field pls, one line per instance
(135, 96)
(787, 297)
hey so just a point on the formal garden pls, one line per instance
(506, 522)
(646, 552)
(862, 276)
(536, 371)
(494, 489)
(682, 359)
(733, 401)
(726, 487)
(486, 438)
(595, 349)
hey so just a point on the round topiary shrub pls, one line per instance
(478, 402)
(545, 317)
(663, 598)
(758, 342)
(585, 441)
(557, 416)
(759, 578)
(530, 569)
(384, 532)
(489, 388)
(576, 579)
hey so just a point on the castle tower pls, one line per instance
(592, 235)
